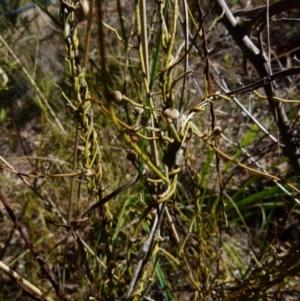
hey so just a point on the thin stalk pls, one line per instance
(102, 48)
(120, 13)
(141, 19)
(88, 34)
(186, 59)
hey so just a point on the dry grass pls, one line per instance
(113, 215)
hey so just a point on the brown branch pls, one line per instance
(259, 61)
(212, 111)
(266, 80)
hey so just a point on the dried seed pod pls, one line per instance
(171, 113)
(116, 96)
(82, 10)
(85, 7)
(132, 156)
(138, 111)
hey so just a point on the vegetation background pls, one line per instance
(149, 151)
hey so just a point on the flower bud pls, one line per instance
(171, 113)
(116, 96)
(217, 130)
